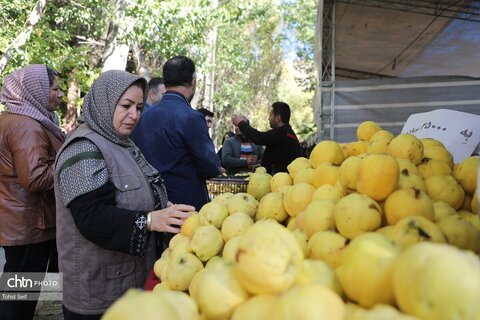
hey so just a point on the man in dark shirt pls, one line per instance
(281, 142)
(208, 116)
(156, 89)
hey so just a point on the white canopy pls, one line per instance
(403, 44)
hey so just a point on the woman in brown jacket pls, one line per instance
(29, 141)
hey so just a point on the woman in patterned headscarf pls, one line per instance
(110, 200)
(29, 141)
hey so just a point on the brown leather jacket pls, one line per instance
(27, 201)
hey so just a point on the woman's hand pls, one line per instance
(171, 218)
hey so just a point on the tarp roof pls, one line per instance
(373, 42)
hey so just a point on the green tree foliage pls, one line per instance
(299, 100)
(70, 38)
(169, 28)
(13, 14)
(300, 17)
(71, 35)
(249, 56)
(65, 38)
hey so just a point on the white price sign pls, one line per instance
(458, 131)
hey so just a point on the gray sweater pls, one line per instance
(231, 155)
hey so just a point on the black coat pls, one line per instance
(282, 146)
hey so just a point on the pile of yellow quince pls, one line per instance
(386, 227)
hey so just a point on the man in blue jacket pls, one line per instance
(174, 137)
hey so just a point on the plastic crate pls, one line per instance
(217, 186)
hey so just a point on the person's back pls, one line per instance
(175, 140)
(278, 155)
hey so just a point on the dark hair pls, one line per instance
(178, 71)
(206, 112)
(154, 82)
(52, 74)
(281, 109)
(229, 133)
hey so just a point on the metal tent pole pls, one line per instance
(332, 74)
(325, 45)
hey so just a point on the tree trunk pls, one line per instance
(115, 55)
(209, 88)
(210, 75)
(117, 59)
(20, 40)
(73, 93)
(197, 99)
(142, 66)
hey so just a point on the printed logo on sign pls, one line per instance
(21, 282)
(17, 282)
(31, 286)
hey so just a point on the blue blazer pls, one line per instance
(174, 139)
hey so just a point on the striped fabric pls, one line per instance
(246, 150)
(26, 92)
(390, 102)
